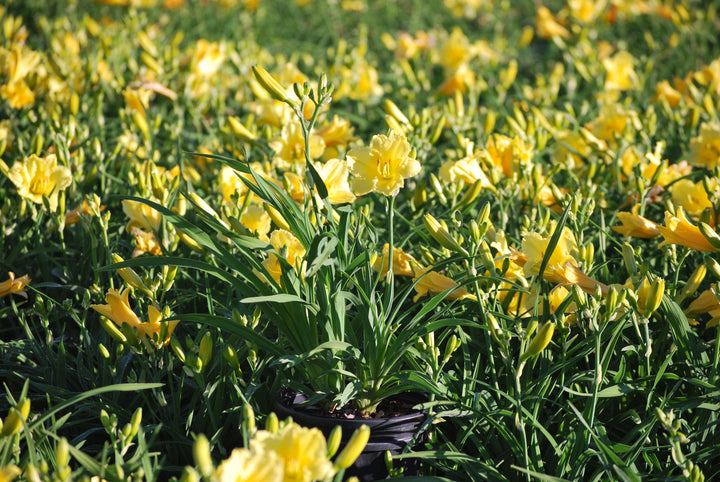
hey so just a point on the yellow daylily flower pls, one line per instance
(634, 225)
(402, 262)
(14, 285)
(692, 197)
(334, 174)
(141, 215)
(40, 176)
(303, 452)
(620, 72)
(679, 230)
(705, 148)
(118, 310)
(383, 165)
(429, 282)
(287, 245)
(244, 465)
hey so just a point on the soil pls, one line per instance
(392, 407)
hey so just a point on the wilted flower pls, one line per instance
(303, 452)
(84, 209)
(383, 166)
(14, 285)
(705, 148)
(634, 225)
(429, 282)
(118, 310)
(145, 242)
(40, 176)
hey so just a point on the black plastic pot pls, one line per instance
(391, 433)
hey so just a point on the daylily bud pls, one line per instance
(394, 125)
(333, 441)
(131, 277)
(657, 289)
(450, 346)
(495, 329)
(272, 86)
(201, 454)
(693, 283)
(141, 123)
(471, 193)
(206, 349)
(710, 234)
(353, 449)
(231, 357)
(611, 301)
(713, 266)
(437, 187)
(112, 330)
(249, 418)
(394, 111)
(441, 235)
(177, 349)
(241, 131)
(628, 255)
(135, 422)
(420, 195)
(272, 424)
(276, 217)
(130, 334)
(190, 475)
(106, 421)
(16, 416)
(437, 129)
(486, 257)
(540, 341)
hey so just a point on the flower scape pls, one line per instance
(505, 210)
